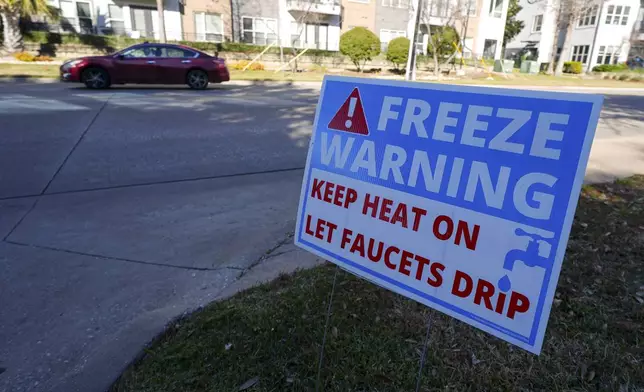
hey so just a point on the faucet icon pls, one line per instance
(529, 257)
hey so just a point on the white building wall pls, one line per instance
(607, 34)
(544, 38)
(286, 18)
(491, 28)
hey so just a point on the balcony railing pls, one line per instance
(329, 7)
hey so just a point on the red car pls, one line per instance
(147, 63)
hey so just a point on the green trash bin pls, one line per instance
(529, 67)
(503, 66)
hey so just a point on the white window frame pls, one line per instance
(494, 11)
(589, 17)
(203, 37)
(469, 5)
(392, 34)
(614, 18)
(608, 52)
(110, 19)
(395, 3)
(254, 30)
(535, 24)
(580, 53)
(439, 8)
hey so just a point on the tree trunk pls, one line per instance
(161, 21)
(436, 67)
(555, 41)
(12, 41)
(566, 46)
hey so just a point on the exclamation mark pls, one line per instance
(352, 108)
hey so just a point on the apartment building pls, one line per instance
(315, 24)
(207, 20)
(480, 23)
(602, 35)
(358, 13)
(637, 37)
(137, 18)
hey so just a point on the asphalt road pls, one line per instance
(121, 209)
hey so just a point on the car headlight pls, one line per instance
(72, 63)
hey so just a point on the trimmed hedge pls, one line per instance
(573, 67)
(610, 68)
(115, 42)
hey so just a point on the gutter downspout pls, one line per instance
(592, 47)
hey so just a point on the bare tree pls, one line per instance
(443, 36)
(569, 13)
(307, 15)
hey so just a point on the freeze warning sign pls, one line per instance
(461, 198)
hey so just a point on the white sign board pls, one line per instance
(461, 198)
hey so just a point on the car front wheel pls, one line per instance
(197, 79)
(96, 78)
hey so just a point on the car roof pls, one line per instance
(179, 46)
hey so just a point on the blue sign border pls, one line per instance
(534, 341)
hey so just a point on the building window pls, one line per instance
(67, 16)
(580, 53)
(617, 14)
(608, 55)
(387, 35)
(116, 22)
(536, 23)
(209, 27)
(439, 8)
(84, 12)
(588, 17)
(469, 7)
(496, 8)
(310, 35)
(259, 31)
(489, 48)
(396, 3)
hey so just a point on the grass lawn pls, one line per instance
(51, 71)
(271, 334)
(29, 71)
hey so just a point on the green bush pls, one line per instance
(610, 68)
(573, 67)
(445, 39)
(110, 43)
(360, 45)
(398, 51)
(624, 77)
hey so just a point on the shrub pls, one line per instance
(445, 40)
(360, 45)
(624, 77)
(43, 58)
(573, 67)
(24, 56)
(610, 68)
(240, 65)
(398, 51)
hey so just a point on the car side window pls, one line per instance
(143, 52)
(179, 53)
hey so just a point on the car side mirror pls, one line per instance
(120, 57)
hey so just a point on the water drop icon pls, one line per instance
(504, 284)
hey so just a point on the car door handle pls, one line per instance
(152, 62)
(186, 61)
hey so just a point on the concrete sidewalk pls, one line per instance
(123, 209)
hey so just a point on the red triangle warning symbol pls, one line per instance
(350, 117)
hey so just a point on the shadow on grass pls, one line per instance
(272, 332)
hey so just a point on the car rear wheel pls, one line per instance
(197, 79)
(96, 78)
